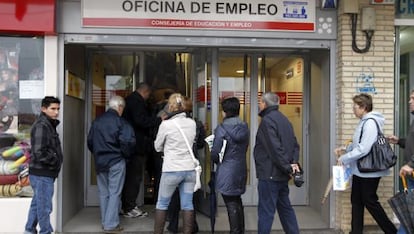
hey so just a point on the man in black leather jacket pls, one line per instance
(46, 158)
(137, 114)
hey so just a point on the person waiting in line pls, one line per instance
(155, 160)
(174, 206)
(408, 145)
(365, 185)
(137, 114)
(231, 173)
(178, 168)
(111, 139)
(46, 158)
(276, 154)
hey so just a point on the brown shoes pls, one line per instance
(116, 230)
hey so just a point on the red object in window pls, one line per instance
(35, 17)
(201, 94)
(282, 97)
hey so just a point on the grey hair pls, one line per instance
(115, 102)
(271, 99)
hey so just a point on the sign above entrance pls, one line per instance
(249, 15)
(34, 17)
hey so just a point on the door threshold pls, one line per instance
(88, 221)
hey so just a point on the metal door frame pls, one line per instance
(251, 196)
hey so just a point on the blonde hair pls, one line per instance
(175, 102)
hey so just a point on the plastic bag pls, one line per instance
(198, 171)
(341, 177)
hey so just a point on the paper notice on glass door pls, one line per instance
(31, 89)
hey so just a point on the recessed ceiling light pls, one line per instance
(240, 71)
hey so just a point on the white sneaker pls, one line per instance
(140, 212)
(131, 214)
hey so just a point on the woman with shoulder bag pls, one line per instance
(174, 207)
(178, 169)
(365, 185)
(231, 173)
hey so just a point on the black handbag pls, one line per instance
(381, 156)
(298, 177)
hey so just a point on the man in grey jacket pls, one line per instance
(408, 145)
(276, 155)
(408, 148)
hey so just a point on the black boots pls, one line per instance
(173, 223)
(188, 221)
(235, 212)
(159, 221)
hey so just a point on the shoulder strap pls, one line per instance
(362, 128)
(186, 141)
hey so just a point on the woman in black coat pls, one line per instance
(231, 173)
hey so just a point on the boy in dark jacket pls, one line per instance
(46, 158)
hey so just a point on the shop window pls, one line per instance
(21, 90)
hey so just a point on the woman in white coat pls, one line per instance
(178, 165)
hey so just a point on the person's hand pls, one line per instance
(392, 139)
(339, 151)
(163, 116)
(295, 168)
(406, 170)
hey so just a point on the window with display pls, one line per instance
(21, 91)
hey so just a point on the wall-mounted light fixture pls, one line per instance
(328, 4)
(289, 73)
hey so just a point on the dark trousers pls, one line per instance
(156, 173)
(364, 194)
(133, 180)
(275, 195)
(235, 213)
(173, 213)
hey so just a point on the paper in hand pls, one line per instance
(223, 150)
(209, 140)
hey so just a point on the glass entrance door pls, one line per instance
(110, 74)
(207, 76)
(283, 75)
(247, 77)
(116, 73)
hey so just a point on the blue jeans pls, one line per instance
(110, 188)
(410, 185)
(275, 195)
(41, 206)
(185, 181)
